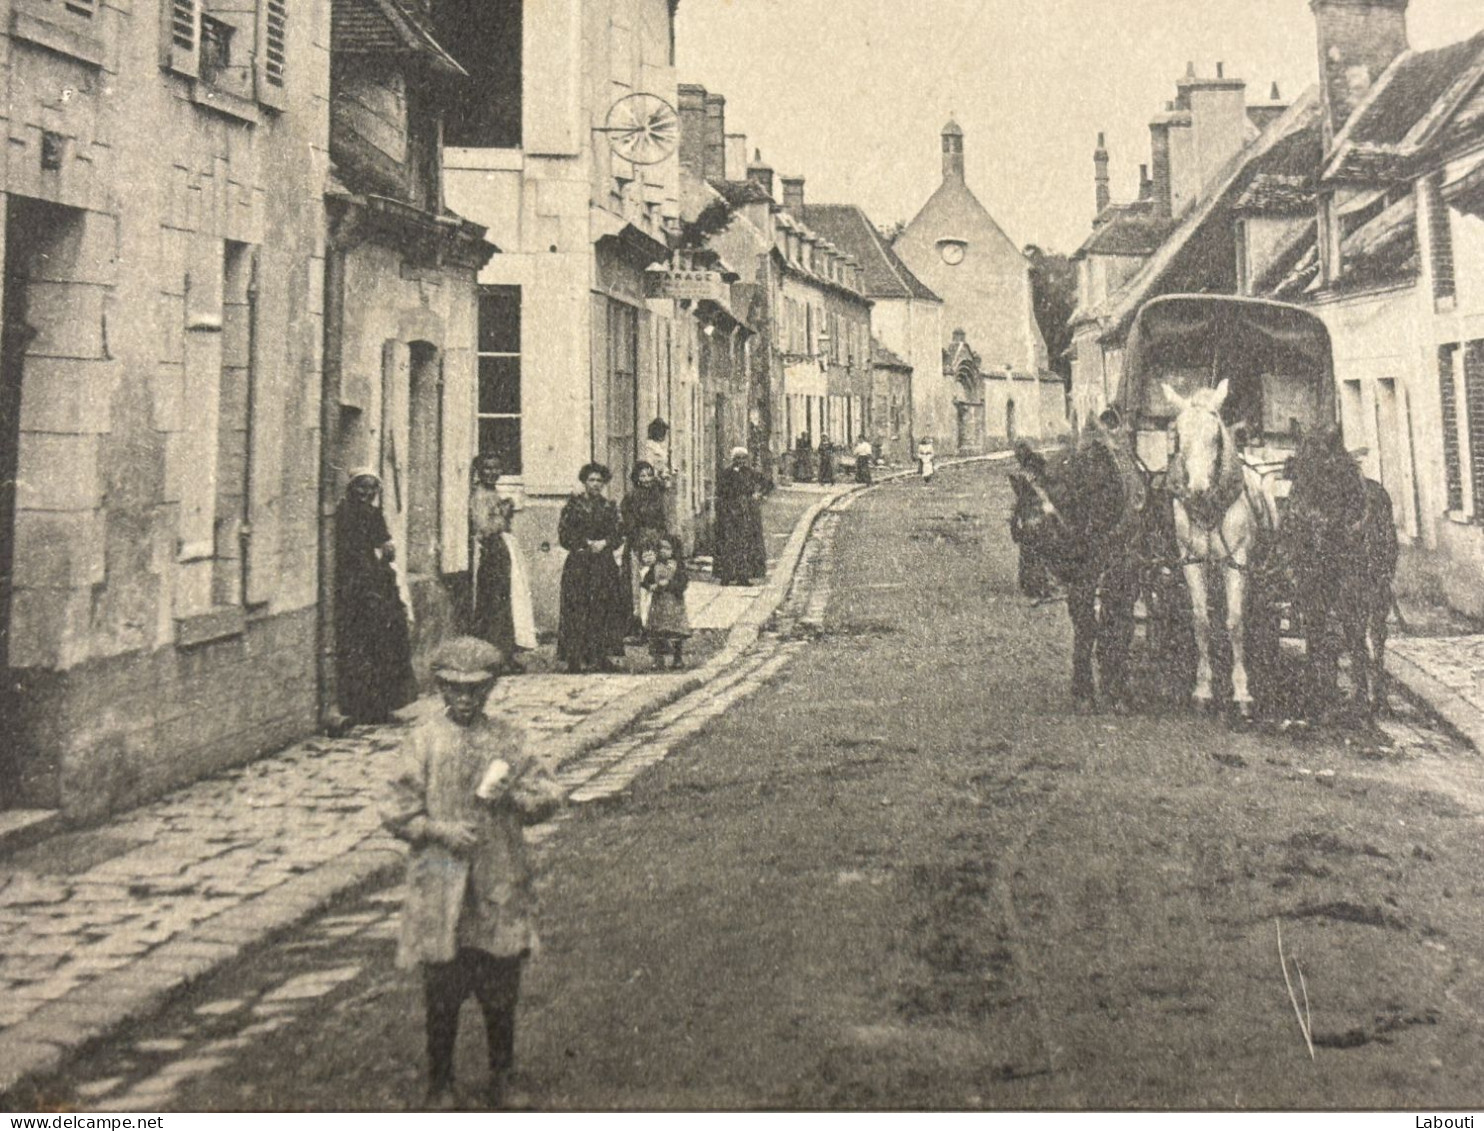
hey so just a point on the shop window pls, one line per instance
(499, 376)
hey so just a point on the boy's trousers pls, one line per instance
(495, 984)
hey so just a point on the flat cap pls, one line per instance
(467, 659)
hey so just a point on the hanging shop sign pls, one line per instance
(685, 285)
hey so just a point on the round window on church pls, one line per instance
(952, 251)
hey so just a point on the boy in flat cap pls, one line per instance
(466, 788)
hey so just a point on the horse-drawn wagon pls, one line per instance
(1188, 480)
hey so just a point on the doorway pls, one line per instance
(1010, 421)
(33, 231)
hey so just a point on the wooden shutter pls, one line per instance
(1473, 391)
(182, 36)
(1448, 398)
(273, 53)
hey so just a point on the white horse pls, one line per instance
(1220, 513)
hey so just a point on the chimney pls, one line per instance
(1358, 39)
(736, 162)
(953, 151)
(793, 195)
(716, 137)
(1218, 130)
(760, 171)
(1159, 151)
(1146, 186)
(691, 100)
(1264, 114)
(1100, 174)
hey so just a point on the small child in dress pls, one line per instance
(647, 558)
(667, 625)
(466, 788)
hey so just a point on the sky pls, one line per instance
(852, 94)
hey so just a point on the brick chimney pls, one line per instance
(953, 151)
(760, 171)
(1358, 39)
(1159, 153)
(716, 137)
(691, 102)
(1100, 174)
(793, 195)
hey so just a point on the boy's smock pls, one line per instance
(482, 898)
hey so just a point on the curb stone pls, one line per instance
(37, 1045)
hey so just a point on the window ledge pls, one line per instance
(56, 37)
(213, 97)
(215, 624)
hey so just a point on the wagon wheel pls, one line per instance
(642, 128)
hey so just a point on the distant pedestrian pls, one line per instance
(865, 456)
(594, 606)
(667, 627)
(644, 517)
(826, 460)
(466, 787)
(803, 459)
(373, 645)
(741, 554)
(500, 593)
(926, 463)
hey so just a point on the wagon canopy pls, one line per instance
(1276, 357)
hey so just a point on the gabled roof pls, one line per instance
(883, 358)
(1277, 194)
(1127, 229)
(1406, 111)
(849, 229)
(1381, 252)
(1278, 147)
(387, 27)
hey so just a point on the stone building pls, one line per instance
(161, 350)
(956, 248)
(563, 145)
(906, 320)
(401, 304)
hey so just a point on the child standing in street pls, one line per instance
(668, 625)
(926, 463)
(466, 789)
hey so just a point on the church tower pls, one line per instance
(953, 151)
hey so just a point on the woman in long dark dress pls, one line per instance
(594, 600)
(373, 647)
(644, 518)
(740, 553)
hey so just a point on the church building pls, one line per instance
(958, 250)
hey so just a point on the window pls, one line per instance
(236, 46)
(485, 37)
(234, 428)
(499, 376)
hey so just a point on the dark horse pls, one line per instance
(1076, 513)
(1339, 543)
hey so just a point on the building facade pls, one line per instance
(159, 434)
(958, 250)
(564, 145)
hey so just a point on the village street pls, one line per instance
(882, 864)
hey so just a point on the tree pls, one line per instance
(1054, 298)
(892, 231)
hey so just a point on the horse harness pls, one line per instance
(1208, 513)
